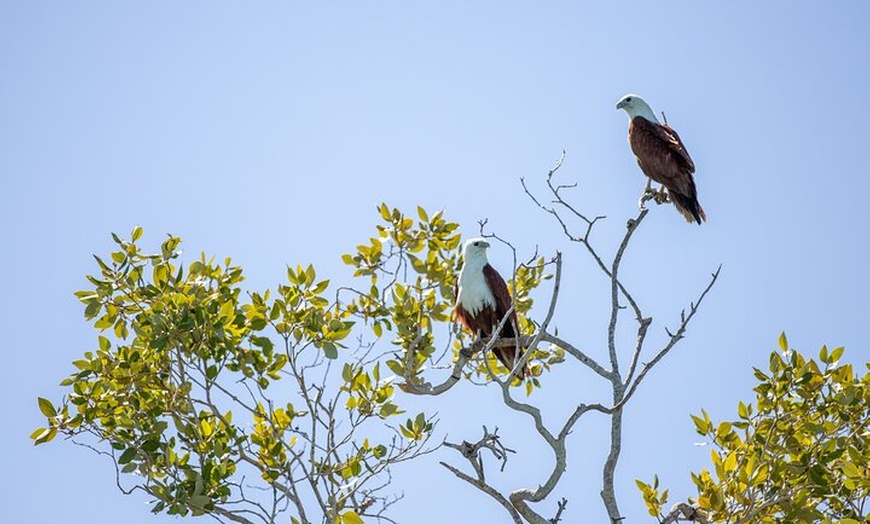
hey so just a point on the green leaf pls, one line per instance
(102, 264)
(43, 435)
(350, 517)
(136, 234)
(850, 470)
(700, 425)
(783, 342)
(330, 351)
(385, 212)
(199, 502)
(823, 354)
(347, 372)
(407, 433)
(730, 462)
(127, 456)
(388, 410)
(92, 309)
(47, 407)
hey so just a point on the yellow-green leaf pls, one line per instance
(384, 211)
(43, 435)
(47, 407)
(350, 517)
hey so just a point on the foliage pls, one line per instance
(197, 387)
(429, 249)
(194, 383)
(799, 453)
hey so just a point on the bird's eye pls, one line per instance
(628, 99)
(477, 243)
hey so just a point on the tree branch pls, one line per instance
(471, 451)
(676, 337)
(578, 354)
(563, 503)
(489, 490)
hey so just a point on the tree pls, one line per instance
(196, 385)
(798, 454)
(192, 397)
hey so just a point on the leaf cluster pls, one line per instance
(411, 266)
(798, 453)
(181, 351)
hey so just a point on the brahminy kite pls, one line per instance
(483, 301)
(662, 157)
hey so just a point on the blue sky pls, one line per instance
(269, 133)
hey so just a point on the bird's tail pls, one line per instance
(688, 207)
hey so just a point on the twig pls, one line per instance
(674, 338)
(563, 503)
(471, 451)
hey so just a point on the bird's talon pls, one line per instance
(648, 194)
(661, 196)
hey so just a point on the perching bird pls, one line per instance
(483, 300)
(662, 157)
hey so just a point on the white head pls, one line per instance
(474, 252)
(636, 106)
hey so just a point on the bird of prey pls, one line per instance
(483, 300)
(662, 157)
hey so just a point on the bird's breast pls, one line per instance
(474, 295)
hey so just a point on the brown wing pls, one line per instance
(662, 156)
(502, 300)
(507, 355)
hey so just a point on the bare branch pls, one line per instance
(578, 354)
(616, 287)
(642, 329)
(608, 493)
(675, 337)
(489, 490)
(563, 503)
(471, 451)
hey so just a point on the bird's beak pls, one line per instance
(620, 105)
(485, 244)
